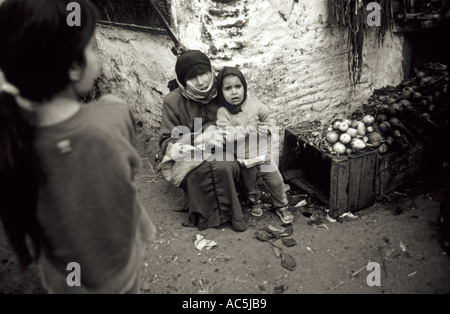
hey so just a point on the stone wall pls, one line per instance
(136, 66)
(293, 60)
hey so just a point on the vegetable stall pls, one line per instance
(350, 161)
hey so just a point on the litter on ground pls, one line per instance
(202, 243)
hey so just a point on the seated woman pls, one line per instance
(187, 135)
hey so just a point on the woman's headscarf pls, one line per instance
(220, 77)
(189, 65)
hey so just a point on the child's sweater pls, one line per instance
(254, 113)
(88, 208)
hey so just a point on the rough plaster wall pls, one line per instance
(289, 55)
(291, 59)
(136, 66)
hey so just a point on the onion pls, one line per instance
(336, 125)
(385, 108)
(383, 148)
(361, 128)
(395, 122)
(389, 140)
(368, 119)
(339, 148)
(345, 138)
(343, 126)
(407, 94)
(384, 127)
(404, 103)
(352, 132)
(357, 144)
(395, 109)
(332, 137)
(381, 117)
(375, 139)
(348, 122)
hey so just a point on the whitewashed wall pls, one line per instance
(289, 55)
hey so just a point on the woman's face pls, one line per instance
(201, 81)
(233, 90)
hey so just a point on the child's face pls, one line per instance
(91, 69)
(233, 90)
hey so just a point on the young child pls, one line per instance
(247, 115)
(66, 168)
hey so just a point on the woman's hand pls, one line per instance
(211, 138)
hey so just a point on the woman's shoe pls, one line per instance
(240, 225)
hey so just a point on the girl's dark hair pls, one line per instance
(37, 47)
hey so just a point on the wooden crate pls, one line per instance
(398, 167)
(344, 184)
(347, 183)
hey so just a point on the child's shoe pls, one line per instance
(285, 214)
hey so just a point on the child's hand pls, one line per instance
(211, 138)
(263, 128)
(253, 123)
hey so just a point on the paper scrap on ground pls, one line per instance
(348, 214)
(201, 243)
(301, 203)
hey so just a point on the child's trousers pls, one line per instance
(274, 182)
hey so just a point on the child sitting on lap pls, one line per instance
(248, 120)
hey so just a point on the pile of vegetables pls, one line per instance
(392, 119)
(348, 136)
(412, 112)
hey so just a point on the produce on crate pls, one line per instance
(392, 118)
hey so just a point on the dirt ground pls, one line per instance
(398, 232)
